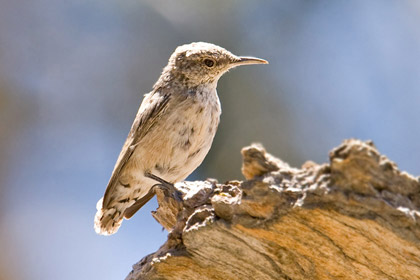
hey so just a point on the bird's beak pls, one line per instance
(244, 60)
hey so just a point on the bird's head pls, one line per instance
(203, 63)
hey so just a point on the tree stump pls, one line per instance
(354, 218)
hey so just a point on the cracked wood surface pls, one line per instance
(354, 218)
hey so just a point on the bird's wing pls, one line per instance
(152, 107)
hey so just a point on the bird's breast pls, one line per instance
(181, 139)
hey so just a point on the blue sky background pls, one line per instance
(73, 73)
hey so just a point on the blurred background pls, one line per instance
(73, 73)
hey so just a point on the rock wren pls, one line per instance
(172, 132)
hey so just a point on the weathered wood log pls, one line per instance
(354, 218)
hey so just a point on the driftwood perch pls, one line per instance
(354, 218)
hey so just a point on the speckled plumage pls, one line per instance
(172, 132)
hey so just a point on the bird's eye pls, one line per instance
(209, 62)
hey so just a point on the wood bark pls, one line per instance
(356, 217)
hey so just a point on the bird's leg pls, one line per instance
(168, 188)
(166, 184)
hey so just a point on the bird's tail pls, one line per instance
(107, 221)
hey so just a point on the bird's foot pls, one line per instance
(168, 188)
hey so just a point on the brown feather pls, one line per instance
(141, 125)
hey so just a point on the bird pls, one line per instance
(171, 133)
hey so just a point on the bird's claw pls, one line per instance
(168, 188)
(169, 191)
